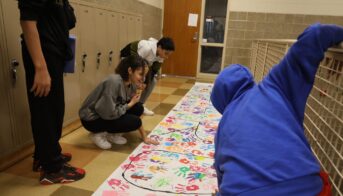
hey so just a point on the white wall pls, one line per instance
(310, 7)
(156, 3)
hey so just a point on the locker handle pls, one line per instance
(110, 58)
(14, 65)
(84, 56)
(98, 60)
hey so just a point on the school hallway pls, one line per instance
(117, 49)
(99, 164)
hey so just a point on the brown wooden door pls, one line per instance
(183, 62)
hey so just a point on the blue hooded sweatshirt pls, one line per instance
(260, 146)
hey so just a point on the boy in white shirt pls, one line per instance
(154, 52)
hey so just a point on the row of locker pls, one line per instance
(100, 33)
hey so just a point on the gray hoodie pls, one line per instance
(108, 100)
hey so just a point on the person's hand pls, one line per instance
(142, 86)
(135, 99)
(150, 141)
(42, 83)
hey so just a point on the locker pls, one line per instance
(72, 81)
(6, 143)
(139, 28)
(112, 41)
(132, 29)
(101, 44)
(87, 53)
(123, 31)
(13, 65)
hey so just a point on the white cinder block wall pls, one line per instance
(307, 7)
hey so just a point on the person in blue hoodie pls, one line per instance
(260, 146)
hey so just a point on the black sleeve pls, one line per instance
(31, 9)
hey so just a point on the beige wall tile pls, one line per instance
(235, 34)
(239, 43)
(250, 35)
(279, 18)
(238, 16)
(237, 25)
(259, 17)
(298, 19)
(241, 60)
(251, 26)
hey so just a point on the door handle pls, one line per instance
(110, 58)
(84, 56)
(98, 60)
(196, 36)
(14, 65)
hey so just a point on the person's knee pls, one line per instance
(136, 123)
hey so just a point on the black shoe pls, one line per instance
(67, 174)
(36, 167)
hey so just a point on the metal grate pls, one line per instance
(324, 112)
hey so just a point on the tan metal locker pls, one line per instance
(101, 44)
(6, 142)
(72, 81)
(13, 63)
(87, 52)
(139, 28)
(123, 31)
(131, 28)
(112, 41)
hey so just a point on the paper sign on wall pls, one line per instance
(192, 20)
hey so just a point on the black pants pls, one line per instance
(46, 112)
(128, 122)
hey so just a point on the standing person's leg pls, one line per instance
(146, 93)
(136, 110)
(43, 120)
(46, 121)
(58, 98)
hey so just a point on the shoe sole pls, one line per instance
(64, 181)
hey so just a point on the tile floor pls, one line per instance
(99, 164)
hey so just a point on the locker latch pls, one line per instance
(98, 60)
(110, 58)
(84, 56)
(14, 65)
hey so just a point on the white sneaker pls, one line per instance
(116, 138)
(148, 112)
(100, 140)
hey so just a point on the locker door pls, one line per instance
(139, 28)
(113, 41)
(101, 44)
(87, 52)
(18, 95)
(6, 143)
(132, 29)
(72, 81)
(123, 31)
